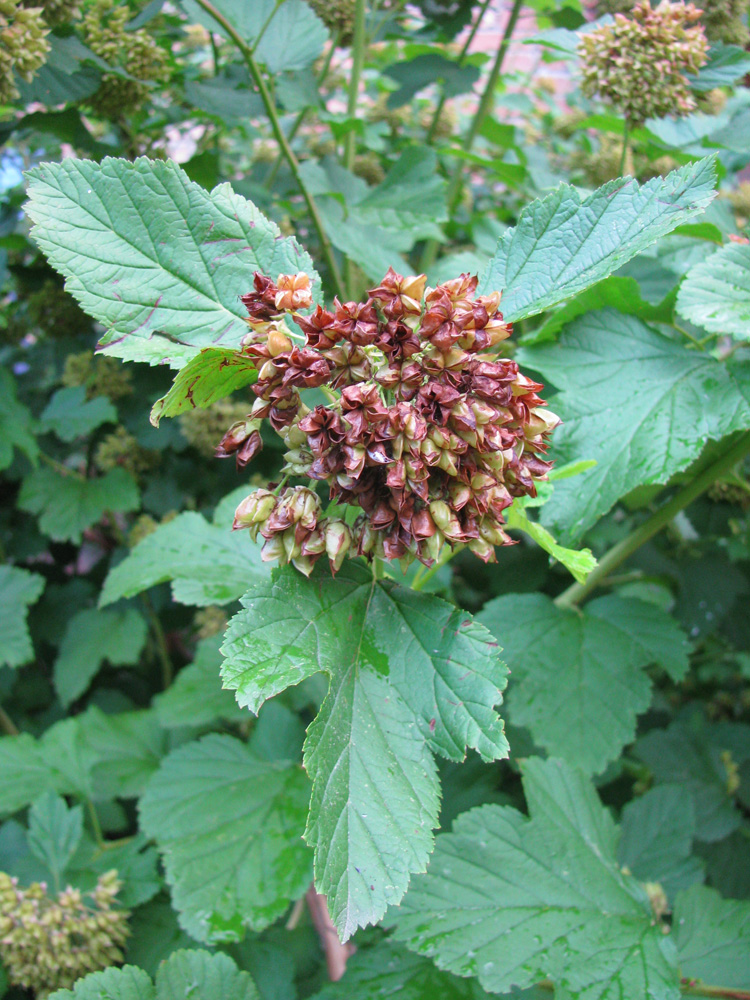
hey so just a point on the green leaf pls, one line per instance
(185, 975)
(513, 900)
(29, 767)
(693, 754)
(713, 938)
(71, 72)
(67, 505)
(579, 562)
(726, 65)
(93, 636)
(198, 975)
(18, 589)
(562, 245)
(206, 563)
(637, 402)
(389, 970)
(136, 865)
(152, 256)
(70, 416)
(127, 983)
(716, 293)
(208, 377)
(229, 827)
(578, 678)
(17, 423)
(622, 294)
(55, 832)
(409, 674)
(427, 69)
(293, 39)
(657, 839)
(126, 749)
(196, 697)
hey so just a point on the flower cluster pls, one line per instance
(426, 439)
(56, 12)
(639, 62)
(23, 46)
(105, 30)
(47, 943)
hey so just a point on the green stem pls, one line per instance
(624, 157)
(350, 141)
(424, 575)
(160, 641)
(459, 62)
(281, 138)
(653, 524)
(95, 824)
(298, 121)
(698, 989)
(7, 724)
(59, 467)
(485, 105)
(264, 26)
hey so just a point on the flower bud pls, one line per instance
(293, 292)
(254, 509)
(338, 540)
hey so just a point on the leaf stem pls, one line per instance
(453, 197)
(160, 642)
(64, 470)
(95, 824)
(350, 140)
(459, 62)
(281, 138)
(298, 121)
(7, 724)
(653, 524)
(698, 989)
(625, 137)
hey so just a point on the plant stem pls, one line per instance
(265, 25)
(653, 524)
(281, 138)
(624, 157)
(7, 724)
(693, 989)
(160, 641)
(350, 140)
(297, 123)
(336, 953)
(459, 62)
(485, 105)
(64, 470)
(95, 824)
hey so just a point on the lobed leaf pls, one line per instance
(228, 826)
(67, 505)
(636, 401)
(713, 937)
(152, 256)
(18, 589)
(409, 674)
(563, 244)
(578, 678)
(206, 378)
(515, 900)
(716, 293)
(17, 423)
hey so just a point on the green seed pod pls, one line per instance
(205, 428)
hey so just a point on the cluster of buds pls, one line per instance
(49, 942)
(137, 52)
(102, 376)
(638, 63)
(56, 12)
(428, 435)
(23, 45)
(725, 21)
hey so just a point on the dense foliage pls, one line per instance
(458, 343)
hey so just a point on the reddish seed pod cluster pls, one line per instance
(426, 437)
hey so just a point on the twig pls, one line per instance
(282, 140)
(653, 524)
(336, 953)
(624, 157)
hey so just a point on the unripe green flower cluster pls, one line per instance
(48, 942)
(338, 17)
(120, 450)
(369, 168)
(638, 63)
(723, 20)
(101, 375)
(56, 12)
(740, 199)
(134, 51)
(209, 621)
(23, 45)
(56, 313)
(205, 428)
